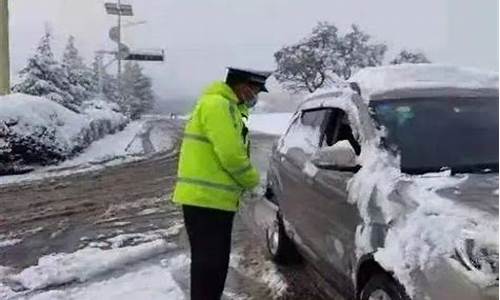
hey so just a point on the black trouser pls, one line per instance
(209, 232)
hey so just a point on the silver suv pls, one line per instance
(388, 184)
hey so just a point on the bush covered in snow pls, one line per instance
(35, 130)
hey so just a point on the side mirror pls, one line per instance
(340, 157)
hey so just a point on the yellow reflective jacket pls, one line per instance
(214, 164)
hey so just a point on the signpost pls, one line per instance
(119, 10)
(146, 56)
(4, 48)
(123, 52)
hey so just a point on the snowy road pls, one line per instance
(116, 235)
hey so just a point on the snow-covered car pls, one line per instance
(388, 184)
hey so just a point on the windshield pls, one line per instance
(431, 134)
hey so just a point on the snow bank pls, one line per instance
(110, 147)
(35, 130)
(151, 283)
(84, 264)
(379, 80)
(7, 243)
(271, 123)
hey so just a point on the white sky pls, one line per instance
(202, 37)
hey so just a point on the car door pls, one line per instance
(329, 219)
(296, 147)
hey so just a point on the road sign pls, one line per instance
(122, 9)
(146, 56)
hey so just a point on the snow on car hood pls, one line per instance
(424, 216)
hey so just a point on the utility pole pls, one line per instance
(119, 73)
(115, 33)
(4, 48)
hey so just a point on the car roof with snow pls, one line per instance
(406, 81)
(424, 80)
(337, 95)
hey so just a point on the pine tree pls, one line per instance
(137, 90)
(43, 76)
(81, 81)
(106, 85)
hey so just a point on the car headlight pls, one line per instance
(479, 260)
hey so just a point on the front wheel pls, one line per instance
(383, 287)
(279, 245)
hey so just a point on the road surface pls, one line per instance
(67, 213)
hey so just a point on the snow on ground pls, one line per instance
(6, 243)
(113, 269)
(110, 147)
(152, 283)
(270, 123)
(138, 238)
(51, 130)
(129, 142)
(57, 269)
(267, 273)
(125, 266)
(124, 146)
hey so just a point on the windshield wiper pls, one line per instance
(477, 168)
(422, 170)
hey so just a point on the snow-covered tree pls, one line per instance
(300, 68)
(357, 52)
(81, 82)
(105, 82)
(137, 91)
(325, 57)
(410, 57)
(44, 76)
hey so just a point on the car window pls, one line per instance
(337, 129)
(305, 131)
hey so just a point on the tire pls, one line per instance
(279, 245)
(383, 287)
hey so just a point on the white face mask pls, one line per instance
(252, 102)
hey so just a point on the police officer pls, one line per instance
(214, 171)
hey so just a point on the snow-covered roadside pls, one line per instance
(110, 147)
(270, 123)
(126, 266)
(124, 146)
(35, 130)
(152, 283)
(9, 242)
(112, 262)
(84, 264)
